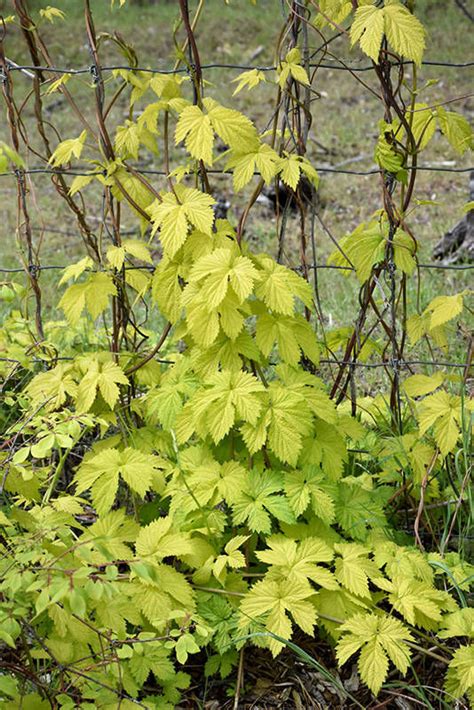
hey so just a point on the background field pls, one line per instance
(343, 132)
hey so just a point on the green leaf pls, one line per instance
(155, 660)
(8, 686)
(77, 602)
(289, 169)
(422, 121)
(359, 508)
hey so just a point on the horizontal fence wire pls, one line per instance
(342, 66)
(323, 361)
(83, 172)
(310, 267)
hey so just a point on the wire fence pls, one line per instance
(95, 71)
(342, 66)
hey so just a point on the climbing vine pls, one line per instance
(183, 473)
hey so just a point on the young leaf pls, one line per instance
(221, 270)
(365, 249)
(194, 127)
(49, 13)
(79, 182)
(67, 149)
(457, 130)
(442, 411)
(418, 602)
(404, 247)
(159, 540)
(380, 638)
(227, 397)
(459, 623)
(93, 295)
(263, 160)
(368, 29)
(404, 31)
(235, 130)
(53, 387)
(258, 500)
(353, 568)
(102, 377)
(176, 212)
(444, 309)
(291, 66)
(272, 601)
(460, 675)
(306, 487)
(419, 385)
(248, 79)
(100, 474)
(297, 562)
(279, 287)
